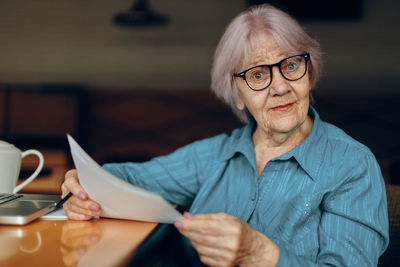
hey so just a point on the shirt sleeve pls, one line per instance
(353, 229)
(174, 176)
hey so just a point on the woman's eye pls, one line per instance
(291, 66)
(258, 75)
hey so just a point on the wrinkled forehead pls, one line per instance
(261, 48)
(265, 48)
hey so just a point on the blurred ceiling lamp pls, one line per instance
(140, 15)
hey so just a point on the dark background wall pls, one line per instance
(135, 93)
(75, 41)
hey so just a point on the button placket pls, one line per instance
(266, 178)
(253, 197)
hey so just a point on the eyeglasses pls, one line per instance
(259, 77)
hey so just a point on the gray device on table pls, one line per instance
(20, 209)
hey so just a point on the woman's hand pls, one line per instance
(224, 240)
(79, 206)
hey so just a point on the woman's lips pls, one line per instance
(283, 107)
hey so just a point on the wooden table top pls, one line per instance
(99, 242)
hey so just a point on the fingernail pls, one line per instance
(96, 213)
(81, 196)
(178, 225)
(93, 207)
(188, 214)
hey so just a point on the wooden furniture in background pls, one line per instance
(41, 115)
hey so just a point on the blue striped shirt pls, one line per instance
(322, 203)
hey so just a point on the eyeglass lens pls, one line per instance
(292, 68)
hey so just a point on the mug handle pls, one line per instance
(35, 173)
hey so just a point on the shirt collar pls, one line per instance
(241, 141)
(308, 154)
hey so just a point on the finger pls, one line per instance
(72, 211)
(77, 216)
(76, 213)
(210, 226)
(198, 226)
(71, 184)
(217, 242)
(88, 204)
(81, 207)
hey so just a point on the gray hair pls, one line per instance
(236, 43)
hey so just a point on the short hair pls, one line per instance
(236, 43)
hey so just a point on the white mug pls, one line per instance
(10, 165)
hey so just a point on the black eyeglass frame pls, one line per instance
(242, 74)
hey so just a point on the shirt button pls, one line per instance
(253, 197)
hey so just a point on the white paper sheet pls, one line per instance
(119, 199)
(58, 214)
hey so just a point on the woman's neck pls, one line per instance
(268, 145)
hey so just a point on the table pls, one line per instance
(99, 242)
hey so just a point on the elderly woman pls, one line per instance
(286, 189)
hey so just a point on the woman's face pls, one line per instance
(283, 106)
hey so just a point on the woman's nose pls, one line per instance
(279, 85)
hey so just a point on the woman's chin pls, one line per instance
(285, 127)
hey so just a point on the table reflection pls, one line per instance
(100, 242)
(76, 238)
(19, 240)
(103, 242)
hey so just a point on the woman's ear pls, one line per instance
(239, 103)
(238, 100)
